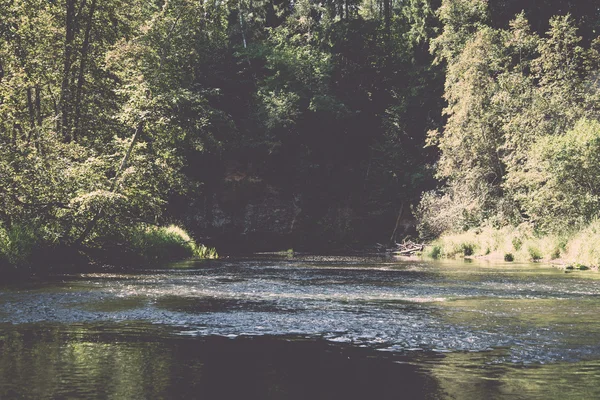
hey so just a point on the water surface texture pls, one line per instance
(305, 327)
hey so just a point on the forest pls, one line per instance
(147, 130)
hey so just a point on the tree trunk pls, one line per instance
(393, 237)
(31, 113)
(80, 79)
(387, 15)
(242, 26)
(65, 92)
(38, 106)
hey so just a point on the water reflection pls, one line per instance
(140, 361)
(79, 362)
(471, 376)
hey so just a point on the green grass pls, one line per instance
(161, 244)
(25, 248)
(522, 244)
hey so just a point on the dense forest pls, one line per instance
(272, 123)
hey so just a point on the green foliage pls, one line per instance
(519, 142)
(534, 253)
(561, 182)
(434, 251)
(583, 246)
(155, 245)
(517, 243)
(572, 248)
(204, 252)
(468, 249)
(555, 253)
(115, 114)
(20, 245)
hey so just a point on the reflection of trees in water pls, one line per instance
(86, 362)
(469, 376)
(98, 362)
(52, 364)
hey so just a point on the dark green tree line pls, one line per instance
(120, 115)
(518, 102)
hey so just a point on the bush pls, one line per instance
(451, 211)
(18, 245)
(558, 248)
(3, 258)
(534, 253)
(522, 244)
(468, 249)
(162, 244)
(206, 252)
(517, 243)
(434, 251)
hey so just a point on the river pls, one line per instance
(305, 327)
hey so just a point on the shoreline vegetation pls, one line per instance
(24, 252)
(519, 162)
(297, 124)
(578, 249)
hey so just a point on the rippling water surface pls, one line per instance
(305, 327)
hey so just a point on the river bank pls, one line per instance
(577, 249)
(26, 252)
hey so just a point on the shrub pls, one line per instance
(434, 251)
(509, 257)
(517, 243)
(3, 258)
(206, 252)
(534, 253)
(161, 244)
(452, 211)
(18, 245)
(468, 249)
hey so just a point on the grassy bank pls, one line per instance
(26, 249)
(577, 249)
(162, 244)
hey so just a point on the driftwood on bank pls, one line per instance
(406, 248)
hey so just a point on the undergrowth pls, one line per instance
(161, 244)
(26, 248)
(521, 244)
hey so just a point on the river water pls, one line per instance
(305, 328)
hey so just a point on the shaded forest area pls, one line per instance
(271, 124)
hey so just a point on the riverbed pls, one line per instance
(305, 327)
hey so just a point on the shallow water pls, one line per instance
(305, 327)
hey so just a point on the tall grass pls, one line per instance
(3, 239)
(24, 248)
(522, 244)
(584, 247)
(160, 244)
